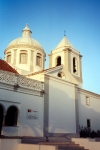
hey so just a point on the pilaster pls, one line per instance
(31, 60)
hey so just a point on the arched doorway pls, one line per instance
(11, 116)
(1, 117)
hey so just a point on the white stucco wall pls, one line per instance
(39, 77)
(26, 127)
(91, 111)
(62, 117)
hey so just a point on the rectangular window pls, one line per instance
(88, 123)
(38, 61)
(9, 58)
(87, 101)
(23, 58)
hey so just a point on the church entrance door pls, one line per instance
(1, 118)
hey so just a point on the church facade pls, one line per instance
(35, 101)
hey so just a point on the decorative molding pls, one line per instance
(23, 90)
(73, 51)
(24, 46)
(7, 101)
(20, 81)
(7, 77)
(56, 52)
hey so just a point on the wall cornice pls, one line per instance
(9, 87)
(83, 91)
(60, 80)
(24, 46)
(72, 51)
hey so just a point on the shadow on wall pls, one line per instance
(89, 118)
(61, 109)
(15, 124)
(59, 112)
(30, 127)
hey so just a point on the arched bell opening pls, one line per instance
(58, 61)
(75, 66)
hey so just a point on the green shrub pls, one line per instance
(87, 132)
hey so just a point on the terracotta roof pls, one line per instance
(6, 67)
(42, 71)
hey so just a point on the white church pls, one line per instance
(38, 102)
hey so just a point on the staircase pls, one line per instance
(62, 143)
(71, 147)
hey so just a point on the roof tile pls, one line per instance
(6, 67)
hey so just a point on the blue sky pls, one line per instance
(48, 19)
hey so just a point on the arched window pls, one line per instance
(1, 117)
(8, 58)
(38, 60)
(58, 61)
(75, 66)
(23, 58)
(11, 116)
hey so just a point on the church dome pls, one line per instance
(25, 53)
(25, 40)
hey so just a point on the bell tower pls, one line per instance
(65, 54)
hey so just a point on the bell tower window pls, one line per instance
(38, 60)
(75, 66)
(58, 63)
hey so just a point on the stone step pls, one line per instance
(97, 139)
(62, 145)
(71, 147)
(74, 145)
(59, 144)
(44, 142)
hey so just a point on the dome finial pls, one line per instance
(26, 32)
